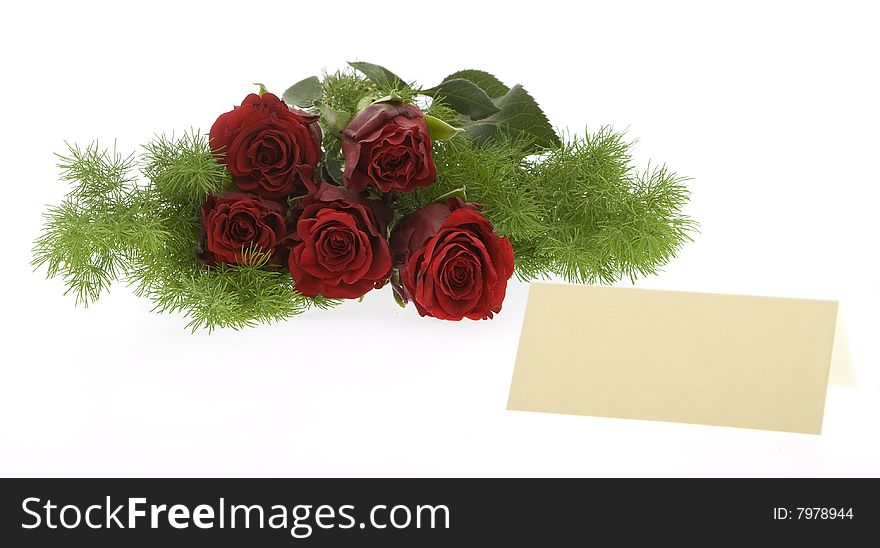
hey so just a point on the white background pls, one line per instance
(771, 107)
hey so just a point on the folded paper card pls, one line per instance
(728, 360)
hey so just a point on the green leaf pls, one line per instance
(460, 192)
(397, 289)
(364, 102)
(392, 97)
(440, 130)
(261, 89)
(519, 118)
(379, 75)
(305, 93)
(332, 169)
(465, 97)
(493, 87)
(334, 120)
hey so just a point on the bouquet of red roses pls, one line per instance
(352, 182)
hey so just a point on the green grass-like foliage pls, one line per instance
(581, 211)
(112, 227)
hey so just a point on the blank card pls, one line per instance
(727, 360)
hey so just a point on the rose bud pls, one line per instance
(269, 148)
(451, 264)
(387, 146)
(338, 247)
(233, 223)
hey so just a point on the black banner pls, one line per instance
(433, 512)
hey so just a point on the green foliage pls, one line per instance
(342, 90)
(90, 238)
(334, 121)
(111, 228)
(304, 94)
(384, 79)
(440, 130)
(183, 171)
(580, 210)
(341, 93)
(519, 117)
(465, 97)
(227, 296)
(491, 112)
(443, 112)
(493, 87)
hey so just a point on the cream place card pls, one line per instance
(727, 360)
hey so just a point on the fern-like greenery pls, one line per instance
(343, 89)
(110, 227)
(581, 211)
(91, 237)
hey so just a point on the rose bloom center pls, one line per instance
(338, 242)
(242, 228)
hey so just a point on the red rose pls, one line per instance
(452, 265)
(270, 149)
(233, 222)
(338, 247)
(387, 145)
